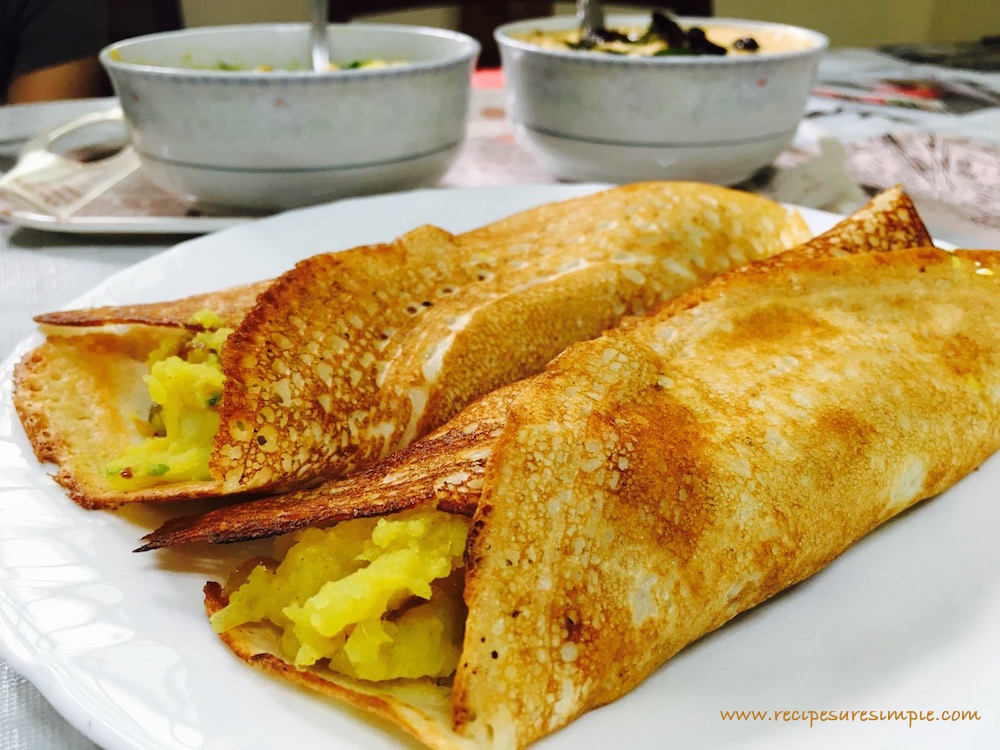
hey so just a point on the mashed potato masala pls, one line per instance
(379, 598)
(185, 384)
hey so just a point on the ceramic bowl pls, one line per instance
(290, 137)
(613, 118)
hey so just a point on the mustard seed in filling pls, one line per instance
(185, 383)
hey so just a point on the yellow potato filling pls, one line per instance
(185, 384)
(379, 599)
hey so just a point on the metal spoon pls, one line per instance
(319, 44)
(590, 15)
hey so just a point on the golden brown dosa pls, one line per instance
(447, 468)
(657, 481)
(352, 355)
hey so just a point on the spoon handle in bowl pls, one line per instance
(590, 15)
(319, 13)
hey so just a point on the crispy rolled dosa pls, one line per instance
(352, 355)
(447, 469)
(657, 481)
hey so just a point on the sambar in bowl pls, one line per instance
(641, 109)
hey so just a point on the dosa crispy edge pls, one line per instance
(352, 355)
(657, 481)
(455, 456)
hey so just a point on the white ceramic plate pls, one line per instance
(51, 188)
(21, 122)
(905, 620)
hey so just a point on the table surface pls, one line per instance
(41, 271)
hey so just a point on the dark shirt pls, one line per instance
(37, 34)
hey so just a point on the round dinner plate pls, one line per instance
(905, 621)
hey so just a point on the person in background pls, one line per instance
(48, 49)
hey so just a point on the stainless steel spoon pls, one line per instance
(590, 16)
(318, 41)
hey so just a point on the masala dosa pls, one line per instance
(352, 355)
(441, 469)
(657, 481)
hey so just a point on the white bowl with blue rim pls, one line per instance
(614, 118)
(235, 116)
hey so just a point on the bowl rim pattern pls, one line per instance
(503, 36)
(466, 54)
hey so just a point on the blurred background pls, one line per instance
(39, 34)
(848, 23)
